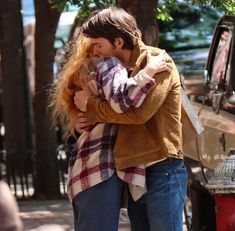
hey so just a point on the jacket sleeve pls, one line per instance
(120, 91)
(98, 110)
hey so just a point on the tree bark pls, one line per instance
(16, 103)
(47, 175)
(145, 15)
(146, 19)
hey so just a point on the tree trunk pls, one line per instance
(145, 15)
(146, 19)
(47, 175)
(17, 109)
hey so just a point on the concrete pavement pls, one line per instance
(54, 215)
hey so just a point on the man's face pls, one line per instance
(103, 48)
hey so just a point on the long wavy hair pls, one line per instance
(71, 78)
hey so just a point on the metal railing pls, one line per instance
(18, 172)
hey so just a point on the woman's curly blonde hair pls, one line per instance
(71, 78)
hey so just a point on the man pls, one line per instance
(150, 135)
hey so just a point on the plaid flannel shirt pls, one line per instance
(91, 161)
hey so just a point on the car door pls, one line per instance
(216, 105)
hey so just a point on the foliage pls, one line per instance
(226, 6)
(184, 16)
(85, 6)
(163, 14)
(181, 34)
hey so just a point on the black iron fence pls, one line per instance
(18, 171)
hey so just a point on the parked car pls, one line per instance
(214, 99)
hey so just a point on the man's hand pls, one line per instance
(80, 99)
(83, 123)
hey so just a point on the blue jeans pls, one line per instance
(98, 208)
(161, 208)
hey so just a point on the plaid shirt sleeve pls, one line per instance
(120, 91)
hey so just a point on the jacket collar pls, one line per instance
(138, 49)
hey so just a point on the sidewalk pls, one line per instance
(55, 215)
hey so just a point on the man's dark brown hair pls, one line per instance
(112, 23)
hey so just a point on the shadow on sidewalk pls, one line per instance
(55, 215)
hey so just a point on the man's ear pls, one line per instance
(119, 42)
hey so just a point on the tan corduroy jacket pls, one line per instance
(151, 132)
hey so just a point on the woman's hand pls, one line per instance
(159, 63)
(80, 99)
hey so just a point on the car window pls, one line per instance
(221, 87)
(221, 65)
